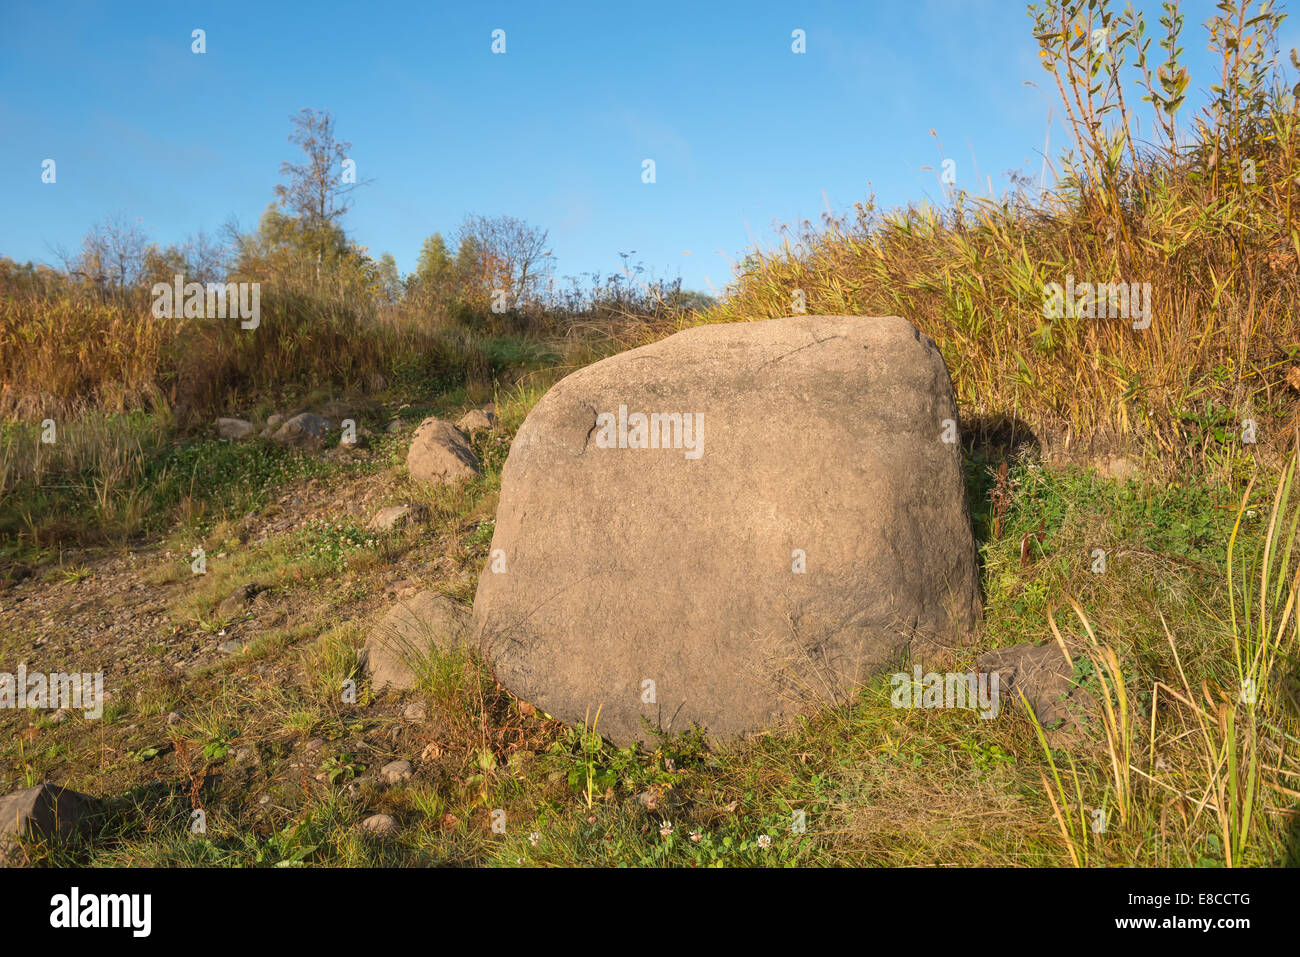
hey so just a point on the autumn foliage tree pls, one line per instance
(319, 188)
(514, 257)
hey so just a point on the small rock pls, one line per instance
(398, 516)
(303, 431)
(37, 813)
(439, 454)
(1042, 674)
(394, 427)
(232, 647)
(274, 420)
(264, 799)
(315, 744)
(416, 711)
(408, 633)
(395, 772)
(234, 429)
(477, 420)
(173, 718)
(380, 824)
(233, 604)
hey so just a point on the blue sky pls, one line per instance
(745, 134)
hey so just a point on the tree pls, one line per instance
(433, 268)
(470, 272)
(510, 253)
(284, 250)
(162, 265)
(205, 259)
(112, 252)
(433, 284)
(316, 193)
(390, 279)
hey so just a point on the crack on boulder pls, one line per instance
(595, 417)
(815, 342)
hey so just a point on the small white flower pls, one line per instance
(695, 837)
(764, 841)
(666, 830)
(533, 838)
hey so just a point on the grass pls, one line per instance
(1184, 771)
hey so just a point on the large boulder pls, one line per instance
(439, 454)
(731, 525)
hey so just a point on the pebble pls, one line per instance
(380, 824)
(416, 711)
(395, 772)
